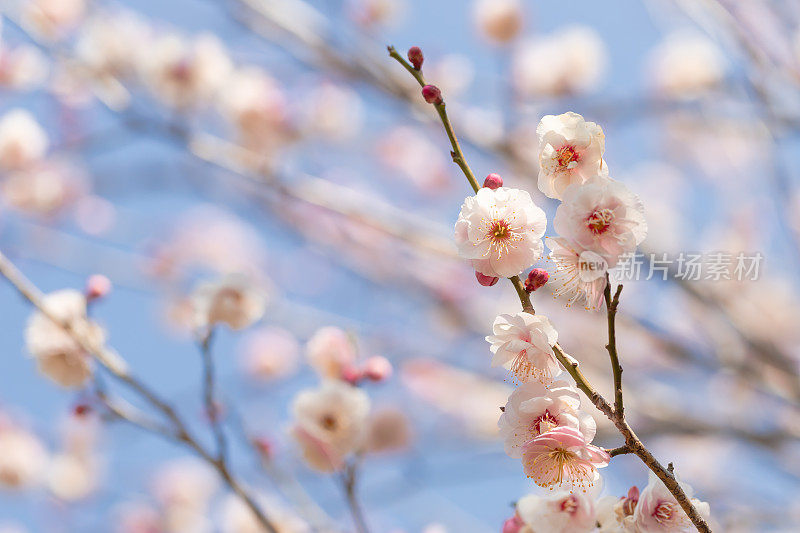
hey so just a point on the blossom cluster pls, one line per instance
(598, 222)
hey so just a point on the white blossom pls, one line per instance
(558, 512)
(523, 343)
(602, 216)
(22, 140)
(659, 512)
(533, 409)
(569, 61)
(563, 456)
(500, 231)
(330, 351)
(335, 414)
(22, 67)
(23, 458)
(686, 64)
(57, 354)
(579, 274)
(570, 151)
(234, 300)
(499, 21)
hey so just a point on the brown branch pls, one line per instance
(611, 308)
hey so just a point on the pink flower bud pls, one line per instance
(352, 375)
(486, 281)
(536, 279)
(264, 447)
(82, 409)
(432, 94)
(415, 57)
(97, 286)
(493, 181)
(512, 525)
(377, 368)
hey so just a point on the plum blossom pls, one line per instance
(110, 44)
(499, 21)
(388, 430)
(601, 216)
(568, 61)
(237, 517)
(615, 515)
(234, 300)
(686, 64)
(523, 343)
(22, 462)
(558, 512)
(580, 274)
(185, 484)
(657, 510)
(563, 456)
(500, 231)
(269, 353)
(330, 351)
(57, 354)
(53, 19)
(330, 421)
(72, 477)
(533, 409)
(570, 151)
(44, 189)
(21, 67)
(186, 74)
(22, 140)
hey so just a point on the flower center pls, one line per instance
(600, 220)
(664, 512)
(567, 157)
(544, 423)
(523, 370)
(500, 230)
(569, 504)
(328, 422)
(562, 458)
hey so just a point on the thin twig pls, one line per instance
(611, 310)
(348, 478)
(212, 407)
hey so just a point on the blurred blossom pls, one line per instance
(235, 300)
(657, 510)
(375, 13)
(136, 518)
(21, 67)
(557, 512)
(334, 112)
(184, 484)
(498, 21)
(484, 126)
(442, 386)
(23, 458)
(331, 418)
(95, 215)
(255, 105)
(208, 238)
(410, 152)
(454, 73)
(113, 44)
(330, 350)
(237, 517)
(44, 189)
(388, 430)
(22, 140)
(57, 355)
(269, 353)
(186, 74)
(53, 19)
(569, 61)
(72, 477)
(686, 64)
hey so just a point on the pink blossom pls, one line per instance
(657, 510)
(563, 456)
(580, 273)
(524, 344)
(559, 512)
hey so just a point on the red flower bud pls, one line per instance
(432, 94)
(493, 181)
(536, 279)
(486, 281)
(377, 368)
(352, 375)
(415, 57)
(97, 286)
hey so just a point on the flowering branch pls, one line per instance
(349, 476)
(213, 410)
(116, 366)
(632, 443)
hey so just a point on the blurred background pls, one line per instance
(166, 143)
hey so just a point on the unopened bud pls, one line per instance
(264, 447)
(493, 181)
(513, 525)
(352, 375)
(377, 368)
(432, 94)
(415, 57)
(82, 409)
(536, 279)
(486, 281)
(97, 286)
